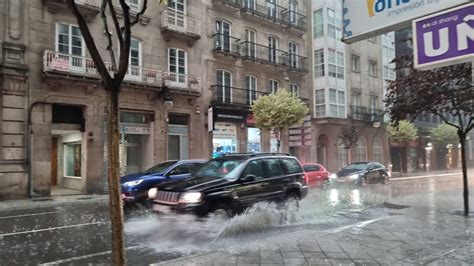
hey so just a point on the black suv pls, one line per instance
(228, 184)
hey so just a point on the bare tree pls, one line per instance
(118, 25)
(445, 92)
(348, 136)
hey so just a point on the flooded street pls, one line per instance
(79, 233)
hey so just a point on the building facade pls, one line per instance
(347, 91)
(189, 60)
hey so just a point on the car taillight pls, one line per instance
(306, 178)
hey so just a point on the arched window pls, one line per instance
(361, 150)
(377, 151)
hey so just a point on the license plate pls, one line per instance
(161, 208)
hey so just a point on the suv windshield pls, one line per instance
(160, 167)
(220, 168)
(355, 166)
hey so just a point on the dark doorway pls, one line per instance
(54, 162)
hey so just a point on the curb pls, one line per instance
(44, 202)
(422, 176)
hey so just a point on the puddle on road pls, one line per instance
(186, 234)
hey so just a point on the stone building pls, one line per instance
(210, 55)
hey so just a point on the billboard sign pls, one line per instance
(445, 38)
(368, 18)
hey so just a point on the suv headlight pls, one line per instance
(152, 193)
(333, 176)
(190, 197)
(354, 176)
(132, 183)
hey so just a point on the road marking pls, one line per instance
(86, 256)
(422, 176)
(26, 215)
(358, 225)
(49, 229)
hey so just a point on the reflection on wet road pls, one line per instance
(79, 233)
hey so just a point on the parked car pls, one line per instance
(135, 186)
(228, 184)
(316, 174)
(361, 173)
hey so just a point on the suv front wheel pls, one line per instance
(222, 211)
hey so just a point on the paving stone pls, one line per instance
(294, 261)
(450, 262)
(365, 262)
(341, 262)
(248, 260)
(292, 254)
(317, 262)
(315, 255)
(336, 255)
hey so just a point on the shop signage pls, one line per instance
(301, 135)
(230, 115)
(134, 130)
(363, 19)
(445, 38)
(210, 119)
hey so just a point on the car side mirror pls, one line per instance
(248, 178)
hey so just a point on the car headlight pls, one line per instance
(132, 183)
(152, 193)
(190, 197)
(333, 176)
(354, 176)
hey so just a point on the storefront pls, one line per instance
(178, 137)
(136, 145)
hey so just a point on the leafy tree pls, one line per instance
(118, 29)
(403, 133)
(278, 111)
(445, 134)
(445, 92)
(348, 136)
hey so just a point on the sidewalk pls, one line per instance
(52, 201)
(429, 232)
(428, 173)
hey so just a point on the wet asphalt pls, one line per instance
(78, 233)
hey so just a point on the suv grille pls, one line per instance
(167, 197)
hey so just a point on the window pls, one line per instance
(69, 40)
(134, 4)
(177, 5)
(341, 156)
(291, 166)
(294, 90)
(356, 99)
(72, 158)
(319, 63)
(182, 169)
(361, 150)
(318, 24)
(274, 168)
(372, 68)
(250, 47)
(272, 49)
(311, 168)
(177, 65)
(293, 10)
(271, 8)
(224, 86)
(334, 25)
(319, 103)
(135, 58)
(355, 63)
(337, 105)
(377, 151)
(255, 168)
(336, 64)
(250, 4)
(273, 86)
(293, 54)
(251, 87)
(222, 38)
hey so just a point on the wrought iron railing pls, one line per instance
(94, 3)
(364, 114)
(263, 54)
(226, 44)
(180, 22)
(233, 95)
(182, 82)
(295, 20)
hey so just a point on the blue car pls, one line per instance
(135, 186)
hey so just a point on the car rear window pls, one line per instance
(311, 168)
(292, 166)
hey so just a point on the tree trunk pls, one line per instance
(115, 202)
(462, 139)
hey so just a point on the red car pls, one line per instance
(316, 174)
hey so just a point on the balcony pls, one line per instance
(270, 56)
(226, 45)
(182, 83)
(88, 8)
(84, 68)
(234, 97)
(177, 24)
(269, 12)
(363, 114)
(295, 20)
(234, 4)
